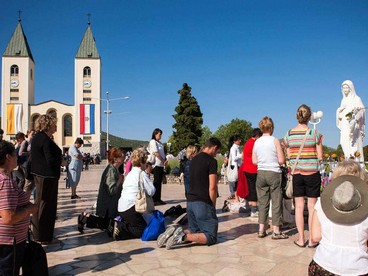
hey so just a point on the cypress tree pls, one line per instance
(188, 117)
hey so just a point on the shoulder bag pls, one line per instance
(143, 203)
(232, 173)
(35, 260)
(289, 183)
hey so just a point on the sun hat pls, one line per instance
(345, 200)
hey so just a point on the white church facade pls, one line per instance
(19, 111)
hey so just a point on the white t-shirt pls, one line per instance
(155, 146)
(265, 150)
(235, 155)
(343, 248)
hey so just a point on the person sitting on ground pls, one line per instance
(132, 223)
(108, 195)
(340, 224)
(201, 201)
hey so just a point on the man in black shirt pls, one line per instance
(201, 205)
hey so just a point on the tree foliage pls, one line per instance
(206, 134)
(188, 118)
(235, 127)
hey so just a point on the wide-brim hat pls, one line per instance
(352, 215)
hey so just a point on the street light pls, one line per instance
(108, 112)
(316, 117)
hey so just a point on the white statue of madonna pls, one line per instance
(350, 119)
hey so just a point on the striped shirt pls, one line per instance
(308, 160)
(12, 198)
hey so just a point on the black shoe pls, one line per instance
(159, 202)
(82, 219)
(75, 197)
(169, 212)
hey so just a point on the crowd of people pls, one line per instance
(337, 220)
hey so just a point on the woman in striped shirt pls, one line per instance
(15, 210)
(306, 179)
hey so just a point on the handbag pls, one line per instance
(151, 157)
(232, 173)
(143, 203)
(35, 260)
(155, 227)
(289, 183)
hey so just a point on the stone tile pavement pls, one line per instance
(238, 251)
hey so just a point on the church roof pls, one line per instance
(18, 45)
(87, 48)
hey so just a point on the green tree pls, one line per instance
(188, 120)
(206, 134)
(235, 127)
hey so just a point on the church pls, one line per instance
(19, 111)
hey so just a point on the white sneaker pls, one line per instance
(176, 238)
(254, 214)
(162, 238)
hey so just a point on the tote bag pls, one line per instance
(155, 227)
(144, 203)
(35, 260)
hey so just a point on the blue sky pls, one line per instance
(243, 59)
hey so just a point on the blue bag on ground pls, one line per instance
(155, 227)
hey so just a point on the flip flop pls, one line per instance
(313, 246)
(298, 245)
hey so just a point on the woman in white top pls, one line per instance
(268, 156)
(156, 148)
(235, 158)
(133, 223)
(340, 224)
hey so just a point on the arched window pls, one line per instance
(86, 72)
(14, 70)
(52, 112)
(34, 119)
(68, 126)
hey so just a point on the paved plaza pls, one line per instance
(238, 251)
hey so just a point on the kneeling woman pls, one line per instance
(108, 195)
(133, 223)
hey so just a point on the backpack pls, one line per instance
(21, 159)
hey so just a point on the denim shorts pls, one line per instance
(202, 219)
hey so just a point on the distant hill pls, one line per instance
(121, 142)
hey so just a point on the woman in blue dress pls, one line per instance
(75, 167)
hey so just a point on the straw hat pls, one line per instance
(345, 200)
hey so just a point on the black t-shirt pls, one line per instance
(201, 167)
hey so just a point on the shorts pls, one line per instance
(307, 185)
(202, 219)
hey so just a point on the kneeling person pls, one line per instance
(201, 201)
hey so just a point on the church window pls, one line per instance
(68, 126)
(87, 72)
(14, 70)
(34, 119)
(52, 113)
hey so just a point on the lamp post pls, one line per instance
(316, 118)
(108, 112)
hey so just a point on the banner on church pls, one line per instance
(87, 118)
(13, 118)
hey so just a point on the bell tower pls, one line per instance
(87, 77)
(17, 84)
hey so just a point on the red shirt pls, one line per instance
(248, 165)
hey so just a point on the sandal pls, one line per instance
(279, 236)
(262, 234)
(230, 197)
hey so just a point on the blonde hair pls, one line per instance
(303, 114)
(138, 157)
(349, 167)
(44, 122)
(191, 151)
(266, 125)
